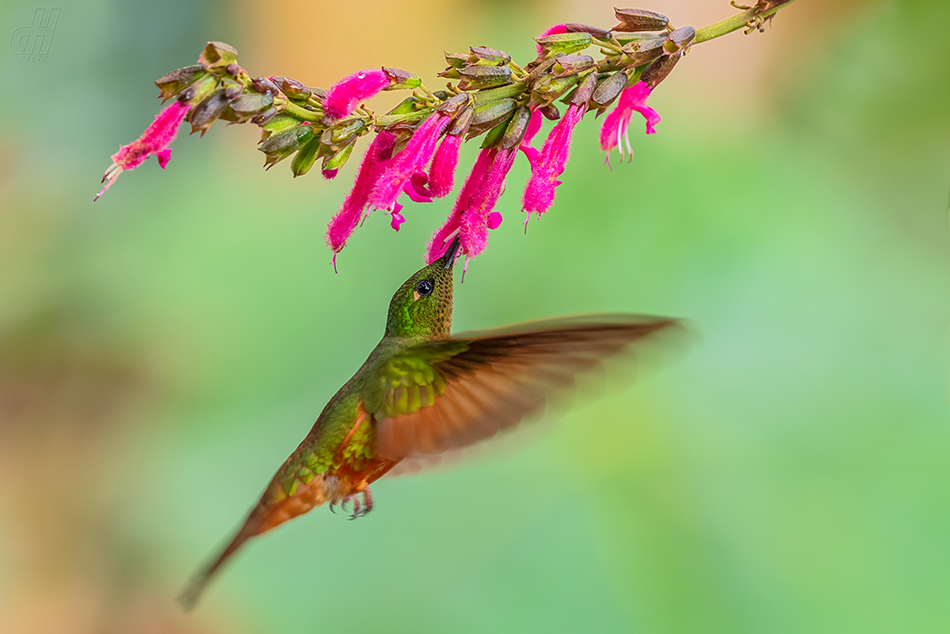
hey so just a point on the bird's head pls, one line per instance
(422, 307)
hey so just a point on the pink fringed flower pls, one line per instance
(155, 140)
(441, 177)
(412, 160)
(616, 123)
(472, 215)
(549, 164)
(343, 97)
(374, 163)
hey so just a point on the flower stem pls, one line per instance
(301, 112)
(751, 16)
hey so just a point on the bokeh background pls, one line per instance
(163, 350)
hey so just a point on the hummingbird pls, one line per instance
(422, 392)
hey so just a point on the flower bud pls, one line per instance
(196, 93)
(462, 122)
(401, 79)
(583, 93)
(659, 69)
(679, 39)
(608, 90)
(176, 81)
(454, 105)
(550, 112)
(218, 54)
(565, 43)
(456, 60)
(644, 48)
(489, 115)
(234, 69)
(292, 88)
(342, 132)
(262, 84)
(484, 56)
(640, 20)
(281, 145)
(572, 65)
(305, 158)
(478, 77)
(264, 117)
(595, 31)
(333, 163)
(205, 113)
(232, 89)
(516, 128)
(251, 104)
(277, 124)
(547, 88)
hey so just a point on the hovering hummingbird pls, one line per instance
(422, 392)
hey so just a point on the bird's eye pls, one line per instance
(424, 287)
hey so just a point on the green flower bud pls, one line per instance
(659, 69)
(547, 88)
(477, 77)
(644, 48)
(281, 145)
(640, 20)
(342, 132)
(176, 81)
(516, 128)
(276, 124)
(265, 117)
(218, 54)
(332, 163)
(456, 60)
(198, 91)
(565, 43)
(251, 104)
(572, 64)
(484, 56)
(608, 90)
(487, 116)
(550, 112)
(462, 122)
(401, 79)
(205, 113)
(292, 88)
(305, 158)
(679, 39)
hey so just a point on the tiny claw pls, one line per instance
(333, 508)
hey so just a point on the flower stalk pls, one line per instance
(579, 69)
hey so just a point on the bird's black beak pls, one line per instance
(450, 252)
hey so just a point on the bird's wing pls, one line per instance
(446, 394)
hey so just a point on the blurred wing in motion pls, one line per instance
(443, 395)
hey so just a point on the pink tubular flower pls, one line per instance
(374, 163)
(410, 161)
(441, 178)
(155, 140)
(549, 164)
(615, 125)
(554, 29)
(343, 97)
(472, 215)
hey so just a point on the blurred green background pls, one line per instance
(162, 351)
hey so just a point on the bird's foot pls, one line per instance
(359, 509)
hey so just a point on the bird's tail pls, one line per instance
(189, 597)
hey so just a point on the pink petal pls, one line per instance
(163, 157)
(442, 170)
(343, 97)
(411, 160)
(345, 221)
